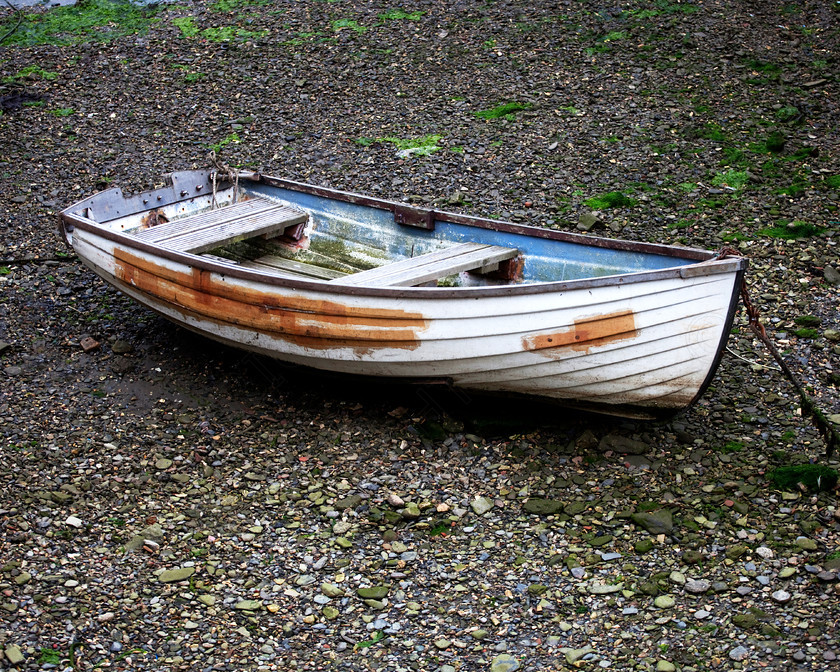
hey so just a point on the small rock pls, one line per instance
(764, 553)
(665, 666)
(664, 602)
(619, 443)
(831, 275)
(373, 592)
(781, 596)
(588, 220)
(543, 507)
(13, 654)
(806, 543)
(178, 574)
(481, 505)
(744, 621)
(73, 521)
(604, 588)
(248, 605)
(739, 653)
(331, 590)
(697, 586)
(574, 655)
(655, 522)
(504, 663)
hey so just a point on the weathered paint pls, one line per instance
(587, 333)
(305, 322)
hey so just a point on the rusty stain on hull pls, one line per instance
(587, 333)
(310, 323)
(153, 218)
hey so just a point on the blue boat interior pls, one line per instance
(351, 237)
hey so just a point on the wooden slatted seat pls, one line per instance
(431, 266)
(230, 224)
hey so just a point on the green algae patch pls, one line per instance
(89, 21)
(815, 477)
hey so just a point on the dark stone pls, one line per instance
(655, 522)
(349, 502)
(622, 444)
(542, 507)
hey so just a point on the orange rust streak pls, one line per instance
(311, 323)
(260, 298)
(587, 333)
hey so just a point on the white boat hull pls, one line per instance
(640, 343)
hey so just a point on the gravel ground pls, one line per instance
(171, 504)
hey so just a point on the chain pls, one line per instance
(809, 406)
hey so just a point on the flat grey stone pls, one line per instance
(655, 522)
(173, 575)
(504, 663)
(697, 586)
(739, 653)
(481, 505)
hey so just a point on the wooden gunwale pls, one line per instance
(130, 242)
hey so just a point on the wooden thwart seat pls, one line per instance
(431, 266)
(230, 224)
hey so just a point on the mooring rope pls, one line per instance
(809, 407)
(225, 172)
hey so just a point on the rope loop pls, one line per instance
(223, 172)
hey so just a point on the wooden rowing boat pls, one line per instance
(360, 285)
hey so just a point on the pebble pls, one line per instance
(178, 574)
(574, 655)
(697, 586)
(781, 596)
(764, 552)
(481, 505)
(664, 601)
(504, 663)
(13, 654)
(739, 653)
